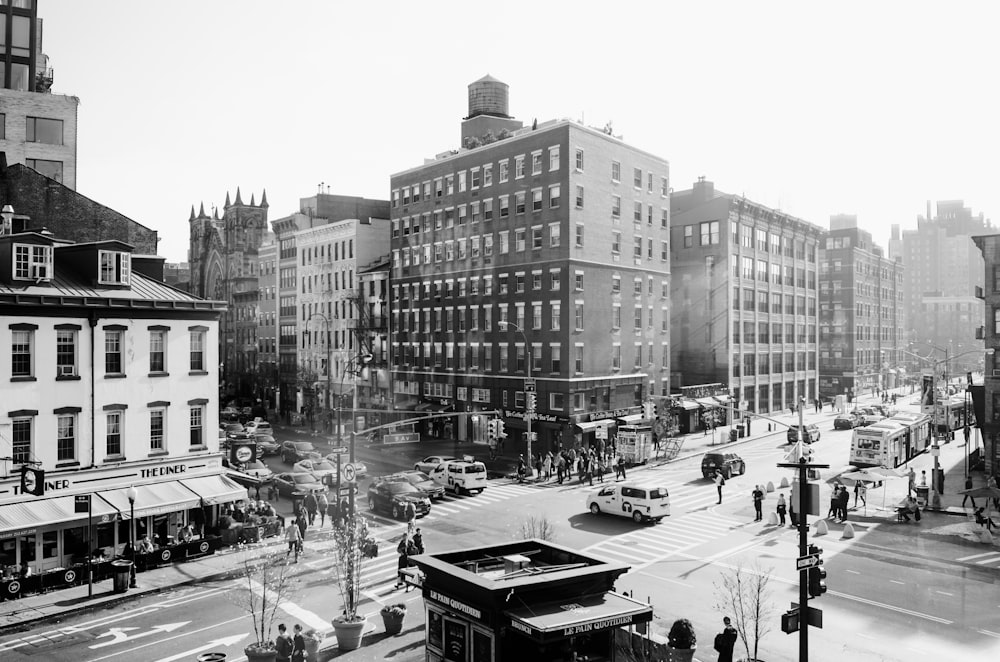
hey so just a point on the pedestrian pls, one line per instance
(758, 503)
(410, 512)
(781, 508)
(719, 482)
(283, 645)
(968, 486)
(601, 467)
(538, 465)
(725, 641)
(620, 467)
(857, 492)
(547, 466)
(301, 522)
(834, 501)
(322, 504)
(520, 469)
(402, 563)
(843, 499)
(862, 491)
(560, 467)
(311, 506)
(793, 516)
(418, 541)
(298, 645)
(294, 538)
(911, 478)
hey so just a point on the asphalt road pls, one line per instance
(894, 595)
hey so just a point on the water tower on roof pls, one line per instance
(488, 106)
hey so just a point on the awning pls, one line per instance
(433, 406)
(153, 499)
(578, 615)
(216, 489)
(26, 517)
(724, 399)
(631, 419)
(684, 403)
(590, 426)
(708, 402)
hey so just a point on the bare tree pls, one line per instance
(264, 584)
(744, 594)
(537, 526)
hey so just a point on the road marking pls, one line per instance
(894, 581)
(989, 633)
(976, 556)
(176, 636)
(853, 572)
(224, 641)
(944, 593)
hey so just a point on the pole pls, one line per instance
(329, 366)
(131, 540)
(90, 545)
(527, 410)
(803, 550)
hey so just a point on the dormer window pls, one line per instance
(32, 262)
(115, 267)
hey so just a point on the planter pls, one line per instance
(349, 633)
(312, 648)
(255, 654)
(393, 622)
(680, 654)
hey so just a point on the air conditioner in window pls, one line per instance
(40, 271)
(996, 373)
(66, 370)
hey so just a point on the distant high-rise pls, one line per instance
(37, 128)
(943, 269)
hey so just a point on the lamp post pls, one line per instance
(326, 325)
(529, 383)
(132, 495)
(363, 358)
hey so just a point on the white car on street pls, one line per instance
(259, 425)
(640, 502)
(431, 462)
(460, 476)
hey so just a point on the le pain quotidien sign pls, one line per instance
(456, 606)
(574, 629)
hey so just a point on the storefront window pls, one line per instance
(435, 629)
(106, 538)
(27, 549)
(75, 543)
(50, 547)
(8, 553)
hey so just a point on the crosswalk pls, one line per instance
(989, 559)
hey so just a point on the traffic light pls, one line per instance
(817, 575)
(491, 428)
(648, 410)
(500, 426)
(531, 400)
(32, 481)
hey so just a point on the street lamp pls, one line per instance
(363, 358)
(132, 495)
(529, 395)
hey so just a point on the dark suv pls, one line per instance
(812, 433)
(728, 463)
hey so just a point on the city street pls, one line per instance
(895, 593)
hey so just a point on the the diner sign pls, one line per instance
(455, 605)
(614, 413)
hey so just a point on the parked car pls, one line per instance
(229, 414)
(460, 476)
(266, 443)
(392, 496)
(294, 451)
(257, 469)
(846, 422)
(421, 481)
(430, 463)
(233, 427)
(319, 468)
(259, 425)
(639, 502)
(360, 468)
(811, 430)
(729, 463)
(297, 484)
(868, 415)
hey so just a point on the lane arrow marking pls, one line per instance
(223, 641)
(119, 634)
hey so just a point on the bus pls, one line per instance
(949, 414)
(890, 442)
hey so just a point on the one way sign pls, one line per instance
(807, 561)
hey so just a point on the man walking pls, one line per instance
(725, 641)
(758, 503)
(843, 499)
(620, 467)
(294, 538)
(781, 508)
(322, 503)
(911, 485)
(283, 645)
(719, 482)
(311, 507)
(968, 486)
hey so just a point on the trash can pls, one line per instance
(740, 431)
(732, 435)
(121, 570)
(922, 492)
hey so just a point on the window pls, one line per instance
(519, 283)
(518, 167)
(555, 280)
(504, 206)
(115, 267)
(579, 201)
(197, 425)
(536, 163)
(157, 350)
(66, 437)
(664, 218)
(449, 184)
(616, 242)
(536, 316)
(709, 233)
(579, 235)
(65, 352)
(637, 177)
(616, 171)
(536, 200)
(32, 262)
(461, 183)
(22, 354)
(554, 192)
(555, 314)
(519, 240)
(578, 361)
(637, 319)
(578, 281)
(688, 236)
(578, 159)
(664, 251)
(113, 359)
(637, 248)
(113, 438)
(21, 433)
(488, 209)
(156, 423)
(616, 357)
(518, 202)
(50, 169)
(43, 130)
(553, 158)
(616, 206)
(555, 235)
(578, 315)
(637, 212)
(475, 178)
(536, 238)
(488, 175)
(504, 171)
(616, 316)
(504, 242)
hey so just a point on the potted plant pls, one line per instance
(681, 641)
(312, 640)
(265, 585)
(352, 546)
(745, 595)
(392, 617)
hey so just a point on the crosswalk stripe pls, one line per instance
(976, 556)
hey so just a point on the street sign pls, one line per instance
(81, 503)
(339, 449)
(350, 473)
(807, 561)
(813, 615)
(529, 384)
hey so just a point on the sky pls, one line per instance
(866, 108)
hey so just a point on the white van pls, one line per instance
(460, 476)
(640, 502)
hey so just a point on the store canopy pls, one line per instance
(632, 419)
(578, 615)
(433, 407)
(153, 499)
(216, 489)
(684, 403)
(590, 426)
(26, 517)
(708, 403)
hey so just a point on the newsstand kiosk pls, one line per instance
(523, 600)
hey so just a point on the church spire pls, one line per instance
(239, 201)
(227, 205)
(201, 212)
(192, 213)
(252, 203)
(263, 198)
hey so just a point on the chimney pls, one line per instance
(703, 190)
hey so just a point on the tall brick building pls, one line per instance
(989, 246)
(560, 229)
(37, 128)
(860, 313)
